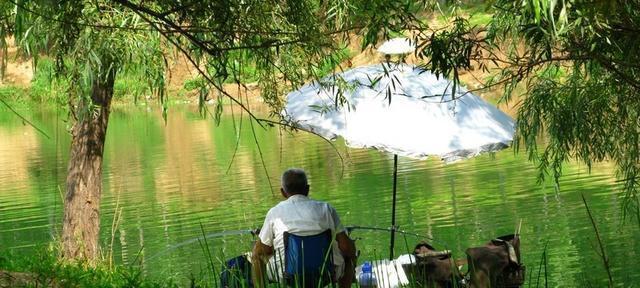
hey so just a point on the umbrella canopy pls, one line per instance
(401, 109)
(398, 45)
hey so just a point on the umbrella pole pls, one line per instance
(393, 206)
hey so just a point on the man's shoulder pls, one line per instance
(322, 207)
(282, 206)
(275, 208)
(320, 203)
(324, 203)
(305, 203)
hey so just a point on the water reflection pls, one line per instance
(18, 146)
(166, 183)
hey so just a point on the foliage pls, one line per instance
(279, 45)
(45, 88)
(6, 27)
(591, 113)
(12, 93)
(48, 89)
(276, 44)
(67, 31)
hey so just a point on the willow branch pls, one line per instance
(294, 127)
(193, 62)
(24, 119)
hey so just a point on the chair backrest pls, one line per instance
(308, 260)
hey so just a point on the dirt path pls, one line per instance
(19, 71)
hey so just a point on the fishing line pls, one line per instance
(254, 232)
(373, 228)
(196, 239)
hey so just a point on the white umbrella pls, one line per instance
(401, 109)
(398, 45)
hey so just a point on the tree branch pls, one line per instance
(24, 119)
(193, 62)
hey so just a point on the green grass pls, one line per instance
(44, 270)
(129, 89)
(478, 14)
(44, 88)
(327, 67)
(480, 19)
(13, 93)
(47, 89)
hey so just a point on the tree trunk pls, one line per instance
(81, 222)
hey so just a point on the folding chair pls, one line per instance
(308, 260)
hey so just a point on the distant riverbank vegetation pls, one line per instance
(44, 87)
(133, 87)
(47, 89)
(130, 87)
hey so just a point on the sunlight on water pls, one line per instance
(168, 184)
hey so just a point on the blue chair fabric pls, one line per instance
(236, 273)
(308, 260)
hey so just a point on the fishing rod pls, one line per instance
(403, 232)
(252, 232)
(255, 232)
(351, 228)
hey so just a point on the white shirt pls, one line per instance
(301, 216)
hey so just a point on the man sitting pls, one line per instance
(301, 216)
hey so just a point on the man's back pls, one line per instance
(301, 216)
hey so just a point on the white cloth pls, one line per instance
(301, 216)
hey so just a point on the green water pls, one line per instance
(169, 182)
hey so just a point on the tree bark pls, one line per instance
(81, 222)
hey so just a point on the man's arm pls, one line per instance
(259, 257)
(348, 249)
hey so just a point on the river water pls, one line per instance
(166, 184)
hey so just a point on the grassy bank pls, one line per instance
(44, 88)
(131, 85)
(44, 270)
(47, 89)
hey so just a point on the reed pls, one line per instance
(602, 254)
(542, 264)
